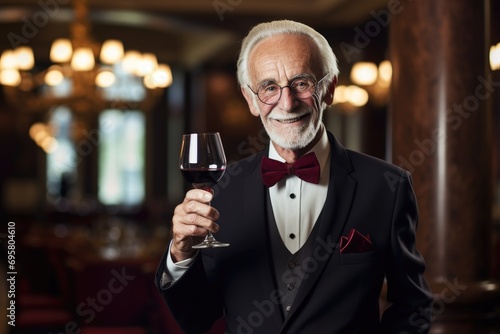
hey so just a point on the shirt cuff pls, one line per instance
(174, 270)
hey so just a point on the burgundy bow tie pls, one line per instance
(306, 168)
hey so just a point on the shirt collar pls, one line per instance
(321, 149)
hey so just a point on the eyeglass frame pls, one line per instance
(291, 90)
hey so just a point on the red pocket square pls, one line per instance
(355, 242)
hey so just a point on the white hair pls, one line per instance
(269, 29)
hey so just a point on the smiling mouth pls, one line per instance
(291, 120)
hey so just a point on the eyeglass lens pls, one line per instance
(301, 88)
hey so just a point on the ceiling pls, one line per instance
(183, 32)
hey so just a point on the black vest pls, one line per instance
(289, 269)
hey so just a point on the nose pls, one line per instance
(287, 99)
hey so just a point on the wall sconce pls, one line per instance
(370, 82)
(385, 73)
(495, 57)
(364, 73)
(352, 94)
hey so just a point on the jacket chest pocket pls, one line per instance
(360, 258)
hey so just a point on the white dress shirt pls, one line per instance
(296, 206)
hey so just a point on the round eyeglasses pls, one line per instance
(301, 87)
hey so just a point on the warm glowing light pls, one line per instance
(352, 94)
(130, 61)
(49, 144)
(147, 64)
(357, 96)
(111, 51)
(339, 96)
(54, 76)
(10, 77)
(495, 57)
(25, 58)
(105, 79)
(81, 74)
(35, 129)
(61, 50)
(149, 81)
(364, 73)
(83, 59)
(385, 72)
(39, 132)
(162, 76)
(8, 60)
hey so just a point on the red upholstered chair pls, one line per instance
(42, 302)
(42, 321)
(111, 296)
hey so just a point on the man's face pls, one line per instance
(291, 123)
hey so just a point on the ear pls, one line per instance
(250, 101)
(330, 91)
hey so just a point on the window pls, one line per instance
(62, 160)
(121, 157)
(121, 147)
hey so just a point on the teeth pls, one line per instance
(289, 120)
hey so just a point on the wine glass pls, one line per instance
(202, 162)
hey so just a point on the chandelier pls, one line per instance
(83, 75)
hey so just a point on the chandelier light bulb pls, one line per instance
(54, 76)
(162, 76)
(49, 144)
(130, 61)
(111, 51)
(81, 73)
(149, 81)
(83, 59)
(8, 60)
(148, 64)
(61, 51)
(10, 77)
(35, 129)
(105, 78)
(25, 58)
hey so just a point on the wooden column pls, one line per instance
(440, 116)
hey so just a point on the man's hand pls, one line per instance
(192, 220)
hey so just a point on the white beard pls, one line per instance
(294, 138)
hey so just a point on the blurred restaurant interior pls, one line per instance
(89, 174)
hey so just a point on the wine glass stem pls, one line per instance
(210, 236)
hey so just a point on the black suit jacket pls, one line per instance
(340, 292)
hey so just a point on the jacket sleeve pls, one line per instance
(407, 290)
(194, 302)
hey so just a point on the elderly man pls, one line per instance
(314, 229)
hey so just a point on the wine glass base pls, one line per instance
(211, 244)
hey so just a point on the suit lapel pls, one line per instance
(341, 190)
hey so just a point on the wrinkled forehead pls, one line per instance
(283, 56)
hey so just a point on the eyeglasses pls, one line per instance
(302, 88)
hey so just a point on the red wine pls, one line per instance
(202, 178)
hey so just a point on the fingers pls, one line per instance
(196, 210)
(199, 195)
(191, 221)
